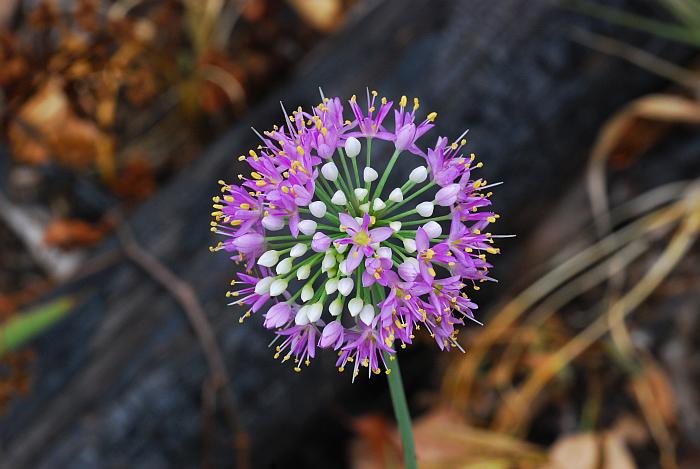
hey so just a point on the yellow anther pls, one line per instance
(241, 158)
(300, 150)
(353, 98)
(374, 93)
(260, 183)
(403, 101)
(256, 175)
(416, 103)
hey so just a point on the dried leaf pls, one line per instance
(616, 454)
(324, 15)
(580, 451)
(46, 126)
(71, 233)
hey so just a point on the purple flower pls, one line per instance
(332, 335)
(378, 269)
(320, 242)
(444, 165)
(301, 239)
(278, 315)
(361, 238)
(427, 255)
(448, 195)
(407, 132)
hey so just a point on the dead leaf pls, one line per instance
(579, 451)
(616, 455)
(72, 233)
(47, 127)
(662, 391)
(324, 15)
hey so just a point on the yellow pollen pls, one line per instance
(432, 116)
(362, 239)
(403, 101)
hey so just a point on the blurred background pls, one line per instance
(117, 348)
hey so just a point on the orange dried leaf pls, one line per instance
(47, 127)
(72, 233)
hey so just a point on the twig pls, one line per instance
(185, 295)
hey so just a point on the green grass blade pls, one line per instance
(676, 32)
(24, 327)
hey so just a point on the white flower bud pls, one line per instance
(343, 267)
(395, 225)
(269, 258)
(263, 285)
(307, 292)
(308, 227)
(273, 223)
(284, 267)
(314, 312)
(330, 171)
(328, 261)
(302, 318)
(331, 286)
(378, 204)
(367, 314)
(432, 229)
(303, 272)
(336, 307)
(418, 175)
(364, 208)
(339, 198)
(317, 208)
(369, 174)
(425, 209)
(396, 195)
(409, 245)
(355, 306)
(345, 286)
(278, 287)
(384, 252)
(340, 248)
(352, 147)
(299, 250)
(360, 193)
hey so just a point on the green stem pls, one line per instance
(426, 220)
(388, 210)
(403, 417)
(385, 176)
(398, 401)
(368, 185)
(357, 174)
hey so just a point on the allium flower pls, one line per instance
(337, 260)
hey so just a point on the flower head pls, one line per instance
(336, 259)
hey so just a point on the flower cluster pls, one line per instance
(335, 259)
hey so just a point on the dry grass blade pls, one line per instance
(639, 57)
(659, 107)
(458, 382)
(513, 417)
